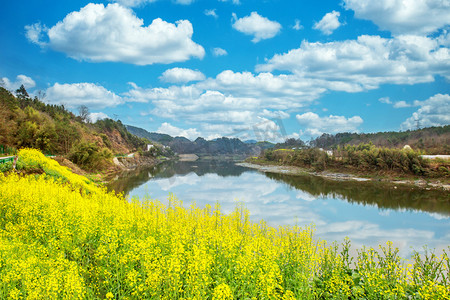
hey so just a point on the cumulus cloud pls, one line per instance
(113, 33)
(219, 52)
(12, 86)
(229, 104)
(316, 125)
(259, 27)
(276, 91)
(94, 117)
(73, 95)
(233, 101)
(329, 23)
(365, 63)
(181, 75)
(169, 129)
(403, 17)
(434, 111)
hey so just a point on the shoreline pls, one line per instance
(293, 170)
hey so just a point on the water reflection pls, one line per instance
(368, 213)
(382, 195)
(129, 180)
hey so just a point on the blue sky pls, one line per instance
(266, 69)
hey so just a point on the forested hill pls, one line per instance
(27, 122)
(220, 146)
(432, 140)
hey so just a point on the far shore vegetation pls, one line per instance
(362, 159)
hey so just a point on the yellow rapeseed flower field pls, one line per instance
(62, 237)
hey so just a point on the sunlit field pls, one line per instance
(62, 237)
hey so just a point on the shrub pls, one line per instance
(90, 156)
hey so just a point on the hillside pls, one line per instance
(431, 140)
(30, 123)
(220, 146)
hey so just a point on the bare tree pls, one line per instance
(83, 112)
(41, 95)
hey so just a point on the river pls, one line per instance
(369, 213)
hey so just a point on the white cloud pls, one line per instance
(76, 94)
(234, 1)
(133, 3)
(114, 33)
(403, 16)
(396, 104)
(136, 3)
(435, 111)
(181, 75)
(297, 25)
(365, 63)
(329, 23)
(219, 52)
(274, 114)
(169, 129)
(276, 91)
(231, 103)
(184, 2)
(94, 117)
(211, 12)
(34, 33)
(259, 27)
(401, 104)
(385, 100)
(12, 86)
(316, 125)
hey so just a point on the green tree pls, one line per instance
(21, 93)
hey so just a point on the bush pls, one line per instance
(89, 156)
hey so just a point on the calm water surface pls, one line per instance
(366, 212)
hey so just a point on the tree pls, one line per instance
(22, 93)
(83, 112)
(41, 95)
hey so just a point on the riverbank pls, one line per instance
(340, 176)
(113, 171)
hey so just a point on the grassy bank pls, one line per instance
(63, 237)
(363, 159)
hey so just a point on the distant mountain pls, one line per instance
(219, 146)
(152, 136)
